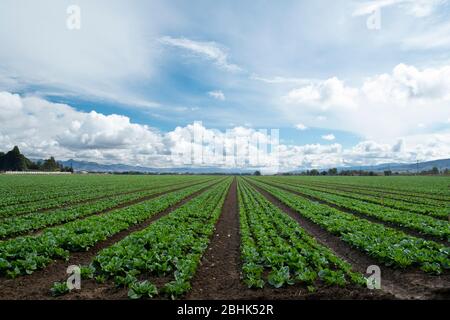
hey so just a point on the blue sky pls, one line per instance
(313, 69)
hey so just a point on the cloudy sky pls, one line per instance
(345, 82)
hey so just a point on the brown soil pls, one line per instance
(391, 225)
(38, 284)
(219, 274)
(402, 284)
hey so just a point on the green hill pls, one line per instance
(15, 161)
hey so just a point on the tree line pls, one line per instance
(335, 172)
(15, 161)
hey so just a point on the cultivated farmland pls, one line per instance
(203, 237)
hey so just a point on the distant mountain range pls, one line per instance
(97, 167)
(400, 167)
(441, 164)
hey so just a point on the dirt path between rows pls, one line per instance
(402, 284)
(219, 276)
(388, 224)
(37, 285)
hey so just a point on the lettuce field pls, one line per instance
(224, 237)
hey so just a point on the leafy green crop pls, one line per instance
(415, 221)
(170, 247)
(434, 208)
(387, 245)
(274, 242)
(142, 289)
(24, 255)
(34, 221)
(52, 192)
(59, 289)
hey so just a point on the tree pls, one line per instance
(387, 172)
(50, 165)
(435, 170)
(332, 171)
(257, 173)
(14, 161)
(314, 172)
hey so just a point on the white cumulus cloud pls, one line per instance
(384, 106)
(325, 94)
(42, 129)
